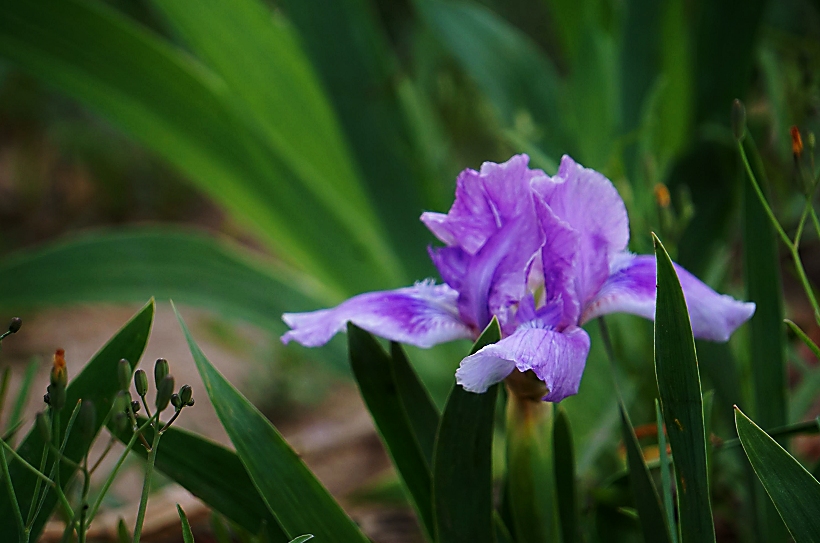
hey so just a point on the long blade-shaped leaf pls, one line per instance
(462, 463)
(795, 493)
(97, 383)
(378, 387)
(565, 486)
(293, 494)
(188, 114)
(421, 412)
(676, 367)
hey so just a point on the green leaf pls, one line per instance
(378, 386)
(23, 392)
(192, 117)
(123, 536)
(301, 538)
(795, 493)
(98, 383)
(421, 412)
(676, 368)
(647, 501)
(187, 535)
(292, 493)
(213, 474)
(564, 460)
(462, 462)
(507, 66)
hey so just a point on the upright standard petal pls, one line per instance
(422, 315)
(590, 204)
(556, 358)
(632, 289)
(485, 201)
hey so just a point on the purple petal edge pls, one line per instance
(631, 288)
(422, 315)
(557, 358)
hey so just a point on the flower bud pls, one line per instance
(165, 390)
(141, 382)
(738, 120)
(797, 142)
(59, 381)
(124, 374)
(43, 426)
(161, 369)
(135, 407)
(176, 401)
(15, 325)
(186, 394)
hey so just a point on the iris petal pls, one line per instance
(556, 358)
(631, 289)
(422, 315)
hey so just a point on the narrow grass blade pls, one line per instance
(372, 370)
(676, 368)
(462, 463)
(123, 536)
(565, 487)
(293, 494)
(647, 501)
(215, 475)
(795, 493)
(98, 383)
(665, 465)
(187, 534)
(23, 393)
(421, 412)
(804, 338)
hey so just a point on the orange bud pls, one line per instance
(797, 142)
(662, 195)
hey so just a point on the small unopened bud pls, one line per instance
(662, 195)
(797, 142)
(87, 421)
(59, 381)
(15, 325)
(161, 369)
(141, 382)
(186, 394)
(165, 390)
(738, 120)
(135, 407)
(176, 401)
(124, 374)
(43, 426)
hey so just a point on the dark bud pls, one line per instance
(135, 407)
(176, 401)
(15, 325)
(161, 369)
(43, 426)
(87, 421)
(186, 394)
(190, 404)
(738, 120)
(165, 390)
(124, 374)
(141, 383)
(47, 398)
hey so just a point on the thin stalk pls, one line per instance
(146, 487)
(37, 484)
(171, 420)
(798, 264)
(18, 515)
(37, 473)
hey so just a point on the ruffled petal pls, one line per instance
(590, 204)
(485, 201)
(557, 358)
(632, 288)
(422, 315)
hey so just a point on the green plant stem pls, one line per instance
(37, 484)
(171, 420)
(18, 515)
(146, 487)
(798, 263)
(37, 473)
(110, 479)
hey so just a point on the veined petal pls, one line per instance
(632, 288)
(557, 358)
(590, 204)
(485, 201)
(559, 261)
(422, 315)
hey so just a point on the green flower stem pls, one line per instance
(530, 470)
(37, 473)
(798, 263)
(110, 479)
(146, 487)
(18, 515)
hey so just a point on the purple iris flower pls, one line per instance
(542, 254)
